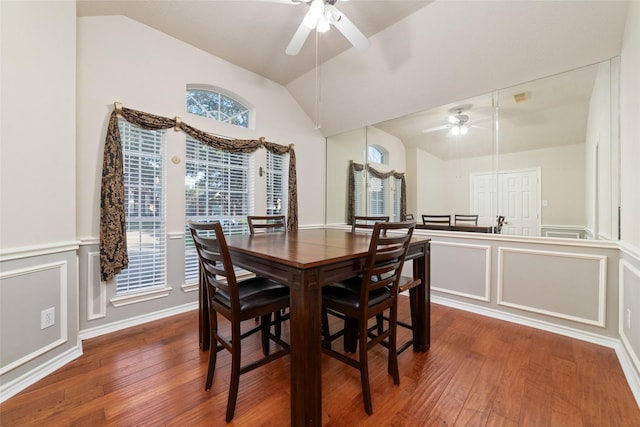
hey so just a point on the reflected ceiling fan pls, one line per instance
(459, 123)
(321, 15)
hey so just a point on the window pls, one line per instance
(277, 183)
(144, 178)
(217, 106)
(218, 186)
(378, 196)
(376, 154)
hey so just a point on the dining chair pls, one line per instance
(365, 297)
(366, 222)
(267, 223)
(465, 219)
(409, 217)
(236, 301)
(499, 223)
(444, 220)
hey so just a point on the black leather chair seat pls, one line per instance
(256, 292)
(347, 293)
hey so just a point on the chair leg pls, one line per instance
(278, 325)
(379, 320)
(350, 334)
(234, 383)
(213, 348)
(326, 333)
(266, 328)
(392, 367)
(364, 369)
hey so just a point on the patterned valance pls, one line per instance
(356, 167)
(113, 228)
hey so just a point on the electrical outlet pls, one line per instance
(47, 317)
(628, 318)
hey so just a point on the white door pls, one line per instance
(484, 197)
(518, 200)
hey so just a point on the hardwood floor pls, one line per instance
(478, 372)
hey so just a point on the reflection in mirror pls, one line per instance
(543, 154)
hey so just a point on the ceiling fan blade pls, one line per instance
(350, 31)
(437, 128)
(298, 39)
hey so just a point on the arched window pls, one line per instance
(376, 154)
(216, 105)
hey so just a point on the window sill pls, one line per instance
(142, 296)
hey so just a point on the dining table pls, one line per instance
(306, 260)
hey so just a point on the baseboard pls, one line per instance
(629, 370)
(135, 321)
(633, 379)
(14, 387)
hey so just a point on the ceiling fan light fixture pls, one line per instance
(459, 130)
(310, 21)
(323, 24)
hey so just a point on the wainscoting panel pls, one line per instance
(24, 294)
(559, 284)
(563, 231)
(630, 310)
(96, 290)
(461, 269)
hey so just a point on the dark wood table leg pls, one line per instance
(421, 302)
(306, 343)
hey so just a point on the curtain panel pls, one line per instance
(113, 228)
(356, 167)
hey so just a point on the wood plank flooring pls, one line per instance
(478, 372)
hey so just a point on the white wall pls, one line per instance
(598, 157)
(443, 187)
(630, 184)
(428, 184)
(38, 265)
(630, 128)
(341, 149)
(38, 124)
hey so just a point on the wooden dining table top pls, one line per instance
(306, 248)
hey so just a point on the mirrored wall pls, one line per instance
(543, 154)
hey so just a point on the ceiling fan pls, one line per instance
(459, 123)
(321, 15)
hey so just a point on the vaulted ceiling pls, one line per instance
(423, 54)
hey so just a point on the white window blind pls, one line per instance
(218, 186)
(378, 196)
(144, 186)
(277, 183)
(395, 194)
